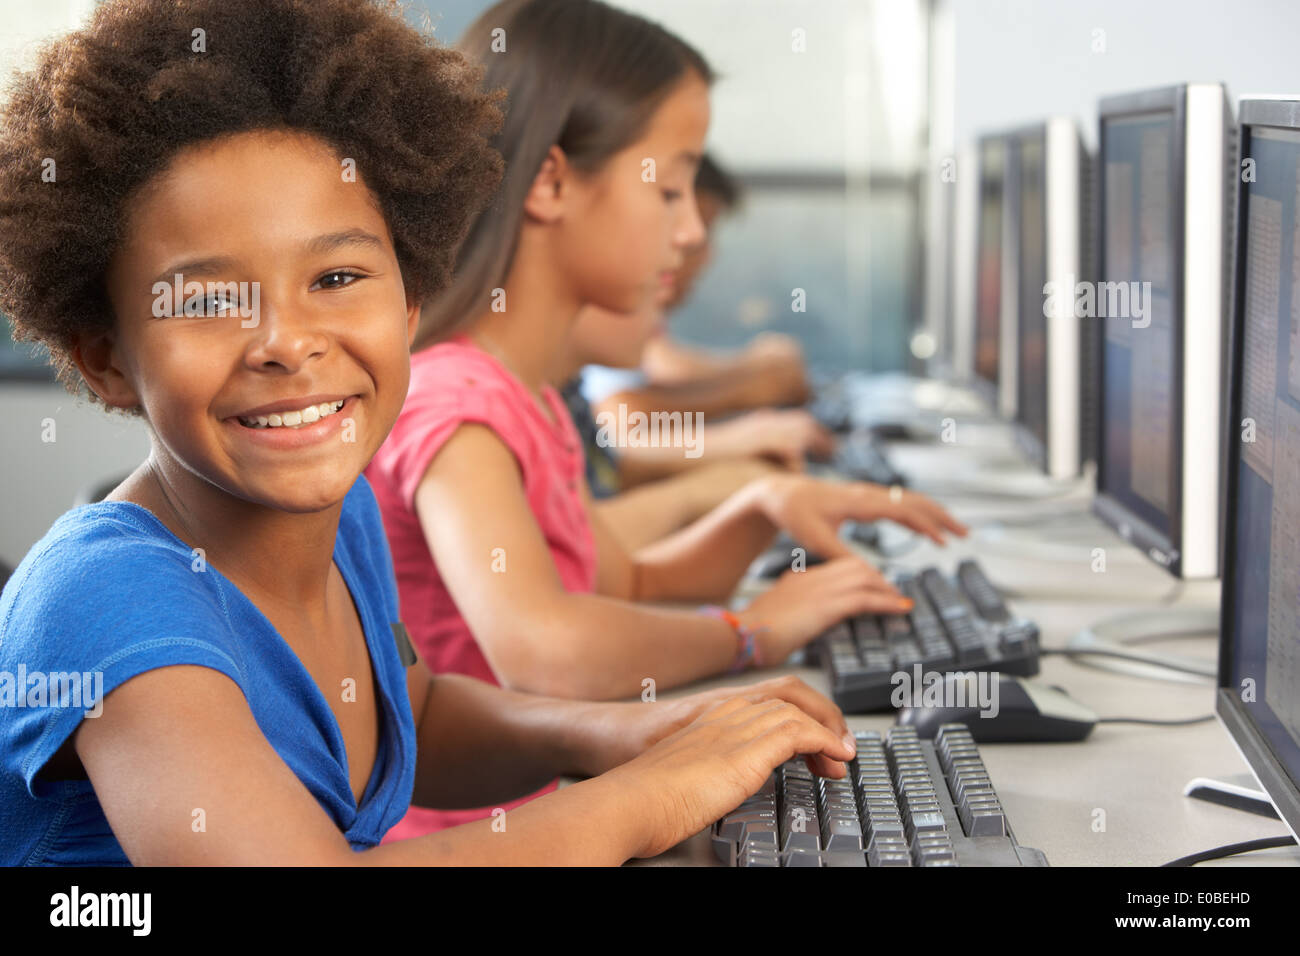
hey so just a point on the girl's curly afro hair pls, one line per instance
(110, 104)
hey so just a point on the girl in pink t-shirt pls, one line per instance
(503, 569)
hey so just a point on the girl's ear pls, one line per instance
(96, 359)
(412, 320)
(544, 200)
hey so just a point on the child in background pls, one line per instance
(670, 376)
(504, 572)
(234, 598)
(727, 458)
(773, 359)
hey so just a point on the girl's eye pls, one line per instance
(218, 305)
(337, 279)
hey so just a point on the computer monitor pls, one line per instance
(1159, 302)
(960, 288)
(1258, 696)
(995, 287)
(1054, 374)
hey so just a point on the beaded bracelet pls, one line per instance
(746, 643)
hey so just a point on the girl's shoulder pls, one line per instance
(105, 574)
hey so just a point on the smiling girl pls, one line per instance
(235, 593)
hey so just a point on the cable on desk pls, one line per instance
(1232, 849)
(1182, 722)
(1103, 652)
(990, 493)
(1066, 516)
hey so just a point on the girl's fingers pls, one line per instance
(820, 538)
(853, 571)
(815, 705)
(800, 734)
(824, 767)
(866, 601)
(917, 520)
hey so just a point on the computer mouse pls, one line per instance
(1019, 711)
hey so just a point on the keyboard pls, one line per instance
(956, 624)
(832, 410)
(905, 802)
(858, 456)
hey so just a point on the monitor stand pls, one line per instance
(1240, 792)
(1116, 636)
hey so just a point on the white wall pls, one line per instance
(1017, 61)
(41, 478)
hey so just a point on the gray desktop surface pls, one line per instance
(1116, 798)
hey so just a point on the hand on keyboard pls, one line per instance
(804, 604)
(812, 510)
(630, 729)
(708, 768)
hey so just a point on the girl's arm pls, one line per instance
(185, 776)
(536, 635)
(784, 437)
(655, 510)
(706, 560)
(478, 744)
(539, 637)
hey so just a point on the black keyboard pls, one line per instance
(859, 456)
(832, 410)
(956, 624)
(905, 802)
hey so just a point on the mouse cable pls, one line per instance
(1105, 652)
(1232, 849)
(1182, 722)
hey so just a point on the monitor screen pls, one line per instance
(1031, 383)
(1135, 302)
(1262, 598)
(988, 276)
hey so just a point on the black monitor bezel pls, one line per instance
(1106, 505)
(1250, 740)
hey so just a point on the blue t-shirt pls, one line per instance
(110, 591)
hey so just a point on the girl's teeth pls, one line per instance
(306, 416)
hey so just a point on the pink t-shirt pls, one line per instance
(455, 383)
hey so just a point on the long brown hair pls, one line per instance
(577, 74)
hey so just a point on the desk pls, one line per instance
(1133, 774)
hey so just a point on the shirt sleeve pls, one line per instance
(90, 613)
(429, 419)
